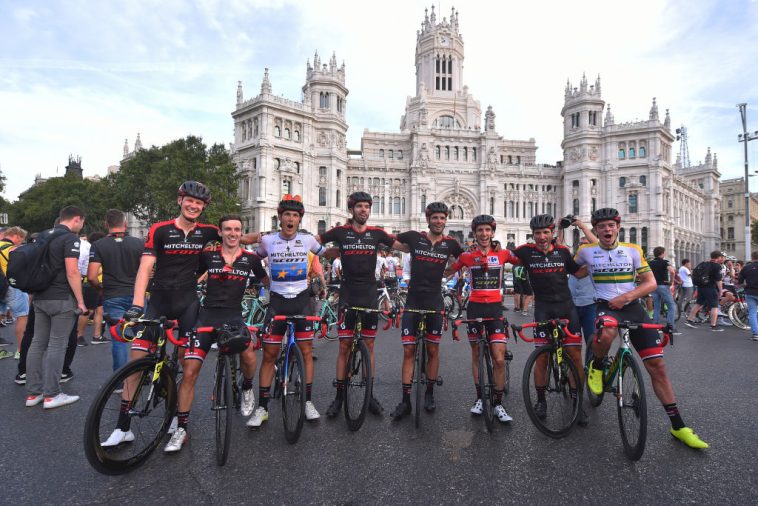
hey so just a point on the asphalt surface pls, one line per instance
(450, 459)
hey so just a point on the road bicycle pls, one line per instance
(551, 371)
(329, 314)
(254, 307)
(738, 313)
(622, 377)
(486, 378)
(145, 407)
(390, 301)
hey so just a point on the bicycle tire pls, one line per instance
(487, 384)
(331, 319)
(595, 400)
(506, 385)
(632, 407)
(293, 395)
(562, 409)
(258, 315)
(126, 457)
(738, 315)
(419, 375)
(359, 384)
(222, 404)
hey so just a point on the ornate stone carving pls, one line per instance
(594, 153)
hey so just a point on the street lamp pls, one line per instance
(746, 137)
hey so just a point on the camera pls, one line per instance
(567, 221)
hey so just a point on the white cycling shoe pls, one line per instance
(477, 408)
(501, 414)
(311, 413)
(177, 440)
(260, 416)
(118, 437)
(248, 402)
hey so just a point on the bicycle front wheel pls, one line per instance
(632, 407)
(419, 377)
(487, 384)
(293, 395)
(222, 407)
(559, 385)
(359, 384)
(143, 411)
(738, 315)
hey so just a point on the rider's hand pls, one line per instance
(134, 313)
(618, 302)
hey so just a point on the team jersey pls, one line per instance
(486, 271)
(548, 272)
(613, 270)
(428, 260)
(288, 261)
(358, 251)
(177, 257)
(227, 283)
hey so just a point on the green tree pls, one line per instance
(146, 185)
(38, 207)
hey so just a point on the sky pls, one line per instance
(78, 77)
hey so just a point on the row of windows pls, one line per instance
(641, 179)
(575, 119)
(457, 153)
(443, 79)
(324, 101)
(288, 134)
(575, 206)
(446, 122)
(632, 153)
(322, 197)
(633, 236)
(629, 150)
(531, 187)
(729, 233)
(575, 183)
(374, 182)
(249, 129)
(525, 210)
(391, 154)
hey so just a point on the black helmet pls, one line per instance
(542, 221)
(604, 214)
(483, 219)
(436, 207)
(233, 339)
(195, 190)
(291, 203)
(356, 197)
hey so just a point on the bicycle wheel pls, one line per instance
(222, 407)
(487, 384)
(359, 384)
(419, 378)
(738, 315)
(632, 407)
(258, 314)
(331, 318)
(150, 409)
(595, 400)
(293, 395)
(559, 380)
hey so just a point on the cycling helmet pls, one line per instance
(605, 214)
(233, 339)
(436, 207)
(542, 221)
(483, 219)
(356, 197)
(291, 203)
(195, 190)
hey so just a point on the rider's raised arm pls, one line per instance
(251, 238)
(586, 230)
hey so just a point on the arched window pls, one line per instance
(277, 131)
(576, 236)
(633, 203)
(455, 153)
(287, 133)
(423, 203)
(622, 235)
(321, 227)
(465, 154)
(643, 179)
(575, 183)
(446, 122)
(510, 209)
(643, 238)
(396, 205)
(594, 204)
(642, 152)
(297, 135)
(277, 163)
(622, 154)
(492, 205)
(255, 127)
(274, 222)
(392, 154)
(631, 155)
(633, 235)
(297, 167)
(473, 154)
(447, 152)
(622, 182)
(576, 207)
(399, 154)
(381, 153)
(437, 152)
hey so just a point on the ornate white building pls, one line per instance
(444, 152)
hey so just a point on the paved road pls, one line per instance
(451, 459)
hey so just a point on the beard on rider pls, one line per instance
(437, 222)
(361, 212)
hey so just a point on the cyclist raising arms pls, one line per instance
(548, 265)
(613, 266)
(358, 244)
(287, 252)
(485, 261)
(429, 256)
(229, 268)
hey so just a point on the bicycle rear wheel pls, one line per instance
(149, 409)
(632, 407)
(561, 389)
(738, 315)
(331, 319)
(293, 395)
(222, 407)
(419, 376)
(359, 384)
(487, 384)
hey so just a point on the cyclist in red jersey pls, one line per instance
(486, 261)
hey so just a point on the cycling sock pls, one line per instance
(308, 389)
(478, 391)
(123, 416)
(498, 397)
(407, 392)
(572, 393)
(247, 384)
(540, 393)
(673, 412)
(183, 417)
(430, 384)
(263, 393)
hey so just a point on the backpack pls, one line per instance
(4, 285)
(701, 275)
(29, 265)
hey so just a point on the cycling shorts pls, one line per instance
(358, 296)
(432, 302)
(180, 305)
(211, 317)
(522, 287)
(496, 329)
(544, 311)
(279, 305)
(647, 342)
(708, 296)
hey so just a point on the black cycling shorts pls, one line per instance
(180, 305)
(496, 329)
(211, 317)
(431, 302)
(522, 287)
(365, 296)
(279, 305)
(708, 296)
(544, 311)
(647, 342)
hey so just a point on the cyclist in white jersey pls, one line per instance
(613, 266)
(287, 253)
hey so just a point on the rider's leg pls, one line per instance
(270, 352)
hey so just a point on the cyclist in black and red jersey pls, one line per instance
(429, 256)
(548, 265)
(229, 268)
(358, 244)
(486, 261)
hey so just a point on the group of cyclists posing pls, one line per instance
(180, 250)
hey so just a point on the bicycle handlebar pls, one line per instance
(562, 323)
(164, 322)
(458, 322)
(612, 323)
(201, 330)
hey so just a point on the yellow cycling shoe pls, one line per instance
(595, 379)
(688, 437)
